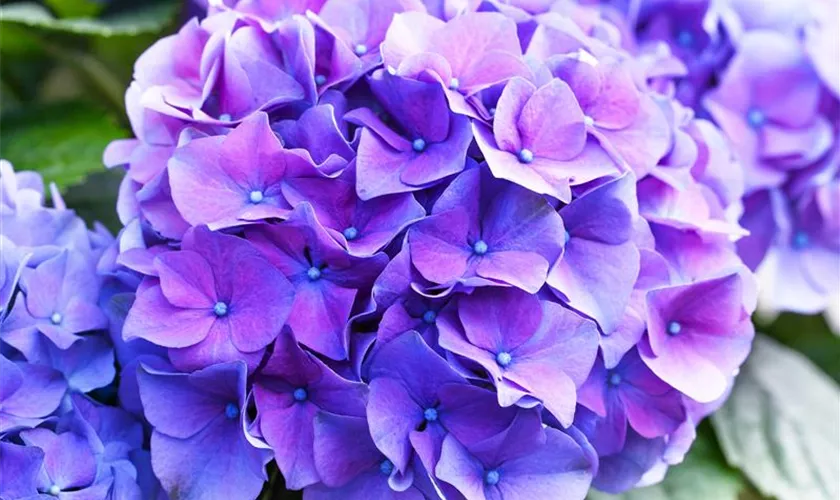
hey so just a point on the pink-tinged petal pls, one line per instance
(499, 319)
(508, 109)
(153, 318)
(439, 247)
(505, 165)
(261, 301)
(69, 462)
(202, 190)
(186, 279)
(319, 315)
(482, 49)
(618, 103)
(525, 270)
(551, 123)
(288, 429)
(460, 469)
(389, 409)
(409, 34)
(216, 347)
(642, 144)
(548, 382)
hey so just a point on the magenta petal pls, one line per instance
(186, 280)
(153, 318)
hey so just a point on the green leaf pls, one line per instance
(811, 336)
(703, 475)
(152, 17)
(76, 8)
(63, 141)
(780, 425)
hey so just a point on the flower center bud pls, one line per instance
(360, 49)
(503, 358)
(313, 273)
(225, 117)
(685, 38)
(566, 237)
(429, 317)
(220, 309)
(454, 83)
(614, 379)
(320, 80)
(430, 414)
(418, 145)
(231, 411)
(300, 394)
(674, 328)
(756, 118)
(491, 477)
(351, 233)
(480, 247)
(54, 490)
(588, 121)
(800, 240)
(255, 196)
(56, 318)
(526, 156)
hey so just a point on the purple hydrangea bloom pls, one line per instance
(292, 388)
(483, 231)
(434, 249)
(197, 419)
(206, 311)
(29, 393)
(325, 277)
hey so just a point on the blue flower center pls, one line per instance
(454, 84)
(429, 317)
(566, 237)
(756, 118)
(491, 477)
(492, 111)
(360, 49)
(220, 309)
(255, 196)
(56, 318)
(225, 117)
(480, 247)
(526, 156)
(685, 39)
(430, 414)
(800, 240)
(300, 394)
(386, 467)
(231, 411)
(503, 358)
(614, 379)
(313, 273)
(351, 233)
(418, 145)
(674, 328)
(320, 80)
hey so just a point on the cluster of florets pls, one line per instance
(420, 250)
(771, 82)
(56, 357)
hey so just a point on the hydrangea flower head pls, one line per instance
(415, 249)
